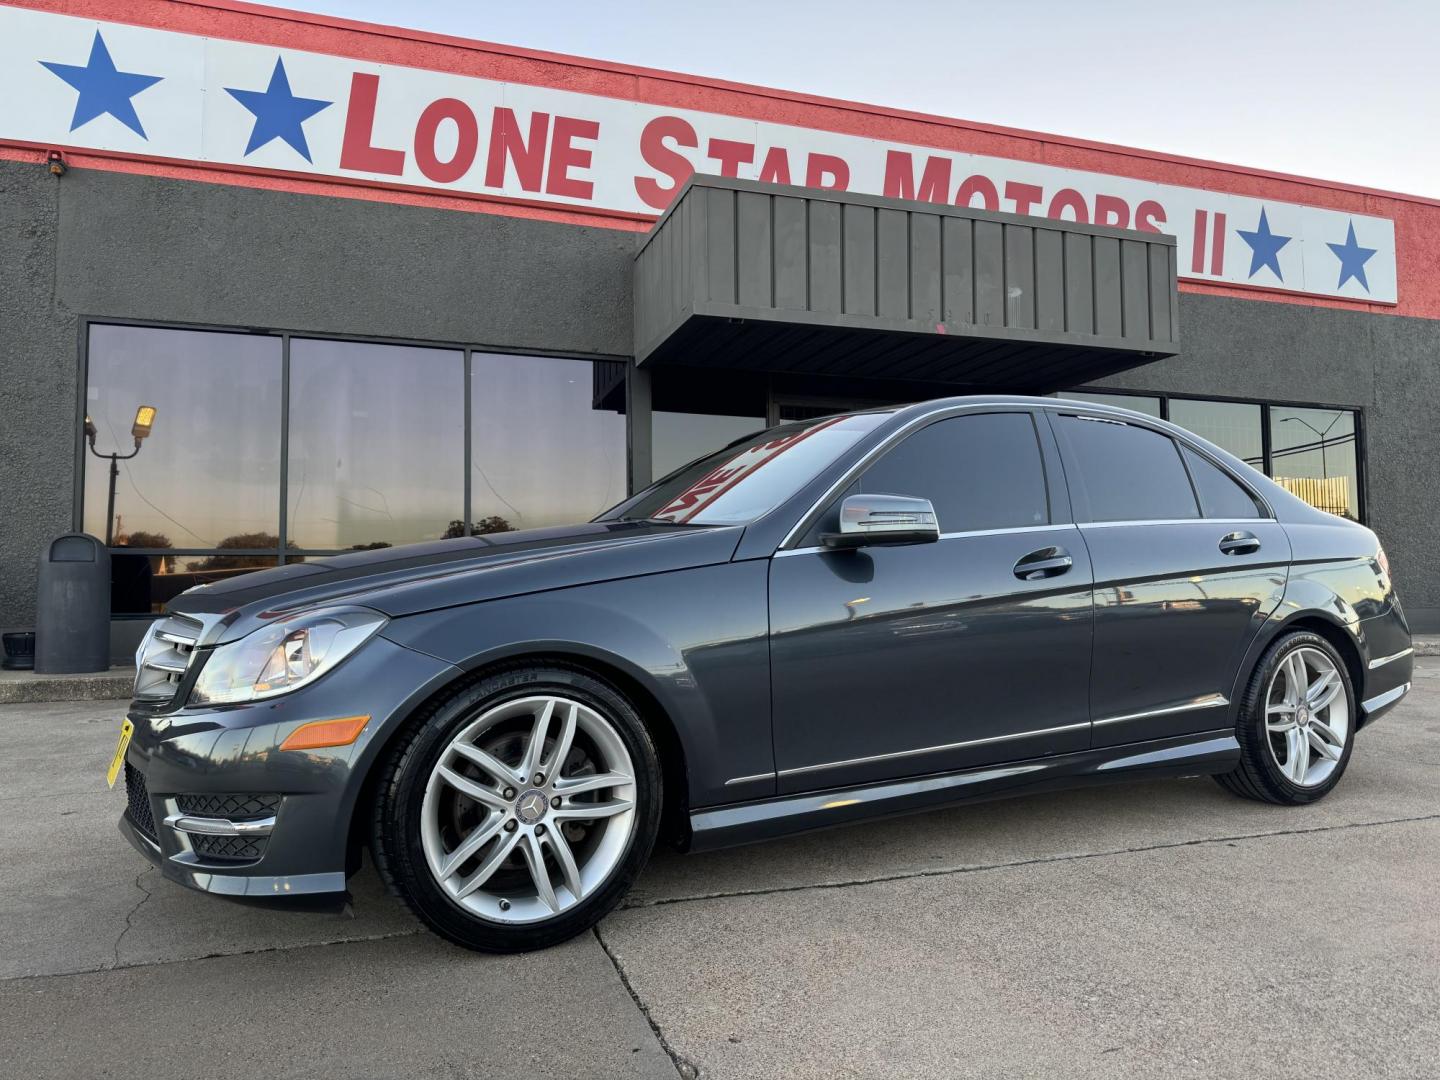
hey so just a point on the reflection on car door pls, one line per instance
(1187, 565)
(922, 658)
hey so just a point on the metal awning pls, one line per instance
(766, 277)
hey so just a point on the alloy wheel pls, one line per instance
(529, 809)
(1307, 717)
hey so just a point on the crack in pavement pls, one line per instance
(260, 950)
(1041, 860)
(684, 1067)
(130, 916)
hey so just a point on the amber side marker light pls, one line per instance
(322, 733)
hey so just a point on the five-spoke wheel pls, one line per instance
(519, 811)
(1296, 722)
(529, 808)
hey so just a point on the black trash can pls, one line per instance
(72, 612)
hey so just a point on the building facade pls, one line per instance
(382, 286)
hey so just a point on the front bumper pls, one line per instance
(219, 807)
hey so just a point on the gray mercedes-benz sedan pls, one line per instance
(854, 616)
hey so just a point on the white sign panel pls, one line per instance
(75, 83)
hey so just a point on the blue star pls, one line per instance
(279, 114)
(1264, 246)
(1352, 258)
(102, 88)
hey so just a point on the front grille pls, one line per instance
(229, 806)
(137, 797)
(227, 848)
(164, 656)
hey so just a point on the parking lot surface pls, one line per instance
(1147, 929)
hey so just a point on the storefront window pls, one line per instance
(540, 452)
(1232, 426)
(1313, 455)
(144, 584)
(678, 438)
(377, 442)
(209, 471)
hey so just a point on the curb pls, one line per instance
(25, 688)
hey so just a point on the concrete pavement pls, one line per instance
(1145, 929)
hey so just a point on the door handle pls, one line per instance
(1239, 543)
(1044, 563)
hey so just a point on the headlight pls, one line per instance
(283, 656)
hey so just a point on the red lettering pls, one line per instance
(1217, 247)
(357, 152)
(978, 185)
(1149, 216)
(1110, 210)
(1072, 200)
(466, 143)
(528, 157)
(1024, 196)
(900, 178)
(565, 155)
(664, 160)
(1197, 243)
(776, 167)
(731, 155)
(827, 171)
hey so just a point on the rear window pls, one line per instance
(1125, 473)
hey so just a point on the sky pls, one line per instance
(1339, 91)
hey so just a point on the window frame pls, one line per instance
(282, 553)
(1362, 450)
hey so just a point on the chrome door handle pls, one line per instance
(1239, 543)
(1047, 562)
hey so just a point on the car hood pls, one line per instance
(446, 573)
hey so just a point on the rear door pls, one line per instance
(1188, 565)
(923, 658)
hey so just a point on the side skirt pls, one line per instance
(1202, 752)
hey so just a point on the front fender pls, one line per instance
(696, 640)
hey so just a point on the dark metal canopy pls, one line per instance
(765, 277)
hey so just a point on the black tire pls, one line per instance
(396, 829)
(1258, 776)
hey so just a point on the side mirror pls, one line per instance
(867, 520)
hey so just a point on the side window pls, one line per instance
(1126, 473)
(982, 472)
(1220, 495)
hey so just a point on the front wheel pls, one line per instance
(1297, 723)
(517, 813)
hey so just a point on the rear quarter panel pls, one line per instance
(697, 640)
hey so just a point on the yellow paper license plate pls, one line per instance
(126, 730)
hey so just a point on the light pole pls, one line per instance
(140, 430)
(1324, 465)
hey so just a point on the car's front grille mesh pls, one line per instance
(137, 796)
(227, 848)
(234, 807)
(165, 656)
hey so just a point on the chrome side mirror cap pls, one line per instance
(867, 520)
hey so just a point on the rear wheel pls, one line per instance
(517, 814)
(1297, 723)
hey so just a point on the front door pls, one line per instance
(900, 661)
(1188, 565)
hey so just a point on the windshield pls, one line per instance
(738, 484)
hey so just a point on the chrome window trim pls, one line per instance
(946, 536)
(931, 749)
(1383, 660)
(1205, 701)
(1174, 521)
